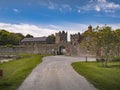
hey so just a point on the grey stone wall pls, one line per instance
(73, 50)
(36, 49)
(16, 49)
(61, 37)
(77, 50)
(44, 48)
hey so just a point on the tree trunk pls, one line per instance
(106, 62)
(106, 59)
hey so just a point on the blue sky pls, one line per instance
(43, 17)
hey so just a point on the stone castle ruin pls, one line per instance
(75, 38)
(61, 37)
(40, 45)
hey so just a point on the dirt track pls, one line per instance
(56, 73)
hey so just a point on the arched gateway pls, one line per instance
(61, 46)
(40, 46)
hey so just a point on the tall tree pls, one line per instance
(8, 38)
(104, 39)
(51, 39)
(117, 41)
(29, 36)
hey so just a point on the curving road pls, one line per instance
(56, 73)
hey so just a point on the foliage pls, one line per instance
(88, 40)
(101, 78)
(104, 39)
(10, 38)
(117, 58)
(29, 36)
(51, 39)
(14, 72)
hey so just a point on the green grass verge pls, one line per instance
(14, 72)
(101, 77)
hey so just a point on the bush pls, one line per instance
(116, 58)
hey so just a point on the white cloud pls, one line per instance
(62, 7)
(97, 8)
(107, 6)
(27, 28)
(45, 30)
(51, 5)
(79, 11)
(113, 25)
(37, 31)
(102, 1)
(66, 7)
(109, 11)
(112, 5)
(101, 5)
(15, 10)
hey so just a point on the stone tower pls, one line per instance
(75, 38)
(90, 28)
(61, 37)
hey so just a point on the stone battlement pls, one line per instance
(75, 38)
(61, 37)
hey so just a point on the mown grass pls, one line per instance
(14, 72)
(101, 77)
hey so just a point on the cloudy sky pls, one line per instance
(43, 17)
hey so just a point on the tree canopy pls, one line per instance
(29, 36)
(8, 38)
(103, 38)
(51, 39)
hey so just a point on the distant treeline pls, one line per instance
(10, 38)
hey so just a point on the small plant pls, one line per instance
(116, 58)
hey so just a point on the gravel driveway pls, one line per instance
(56, 73)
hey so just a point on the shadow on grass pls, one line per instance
(114, 66)
(5, 84)
(110, 65)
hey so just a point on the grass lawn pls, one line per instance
(100, 77)
(17, 70)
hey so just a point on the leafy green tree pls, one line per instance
(87, 41)
(117, 41)
(4, 37)
(8, 38)
(29, 36)
(51, 39)
(20, 35)
(104, 38)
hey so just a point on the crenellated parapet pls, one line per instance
(75, 38)
(61, 37)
